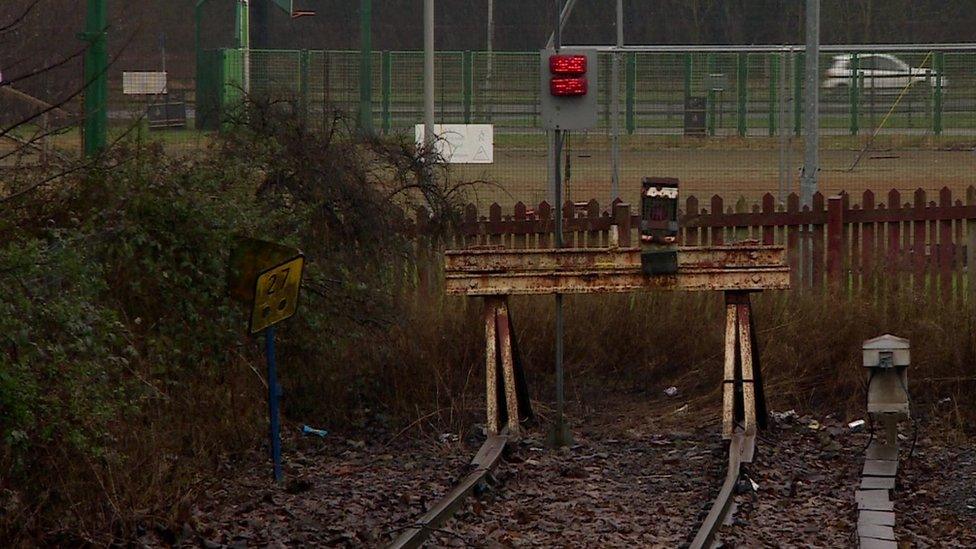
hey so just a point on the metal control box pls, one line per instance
(888, 358)
(659, 225)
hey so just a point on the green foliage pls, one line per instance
(63, 355)
(125, 369)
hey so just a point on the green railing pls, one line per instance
(742, 91)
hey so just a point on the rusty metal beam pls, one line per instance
(598, 259)
(511, 272)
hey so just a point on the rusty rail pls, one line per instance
(741, 450)
(483, 463)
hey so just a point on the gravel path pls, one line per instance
(634, 478)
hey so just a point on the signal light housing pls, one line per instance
(569, 87)
(563, 65)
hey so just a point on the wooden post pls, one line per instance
(717, 233)
(731, 354)
(971, 245)
(894, 247)
(518, 239)
(508, 369)
(867, 247)
(945, 247)
(592, 219)
(817, 267)
(918, 244)
(470, 221)
(793, 242)
(491, 364)
(621, 213)
(692, 235)
(544, 214)
(743, 397)
(569, 234)
(835, 237)
(494, 220)
(768, 231)
(748, 376)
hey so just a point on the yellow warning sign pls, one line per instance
(276, 294)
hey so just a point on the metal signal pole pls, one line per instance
(490, 61)
(96, 78)
(811, 161)
(615, 100)
(429, 135)
(366, 66)
(242, 28)
(560, 435)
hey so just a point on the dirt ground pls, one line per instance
(640, 474)
(520, 174)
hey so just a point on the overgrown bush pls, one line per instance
(125, 371)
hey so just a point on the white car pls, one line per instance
(879, 71)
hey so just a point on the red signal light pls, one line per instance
(567, 64)
(568, 87)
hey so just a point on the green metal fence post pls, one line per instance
(467, 83)
(774, 69)
(366, 66)
(96, 79)
(798, 71)
(201, 78)
(937, 114)
(630, 94)
(742, 85)
(687, 64)
(387, 83)
(303, 65)
(855, 93)
(710, 63)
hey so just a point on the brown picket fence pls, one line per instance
(919, 245)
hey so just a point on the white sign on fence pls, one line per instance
(462, 143)
(143, 83)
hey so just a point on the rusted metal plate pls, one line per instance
(513, 272)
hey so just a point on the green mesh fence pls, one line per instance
(877, 131)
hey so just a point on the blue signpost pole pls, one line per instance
(269, 349)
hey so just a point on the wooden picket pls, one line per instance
(878, 247)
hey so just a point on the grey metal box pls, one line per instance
(569, 113)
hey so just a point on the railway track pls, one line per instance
(481, 466)
(488, 457)
(495, 274)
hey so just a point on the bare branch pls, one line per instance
(20, 19)
(65, 100)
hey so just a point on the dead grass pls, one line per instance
(638, 345)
